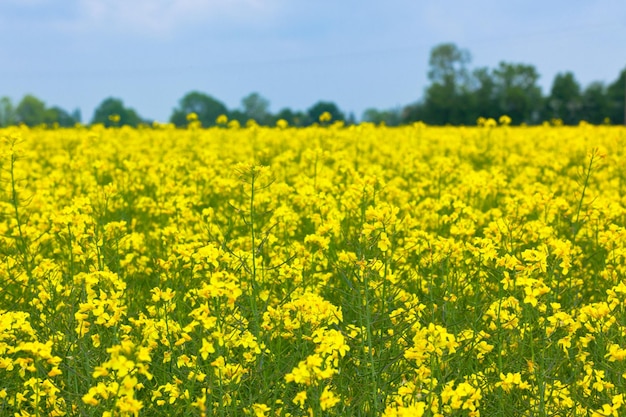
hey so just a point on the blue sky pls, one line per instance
(359, 54)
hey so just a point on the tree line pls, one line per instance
(456, 95)
(459, 95)
(32, 111)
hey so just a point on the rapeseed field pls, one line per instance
(323, 271)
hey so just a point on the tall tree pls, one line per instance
(7, 112)
(112, 112)
(517, 92)
(391, 117)
(414, 112)
(565, 99)
(61, 117)
(31, 111)
(595, 103)
(316, 110)
(293, 118)
(256, 107)
(448, 65)
(447, 98)
(616, 94)
(484, 101)
(207, 108)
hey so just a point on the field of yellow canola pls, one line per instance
(322, 271)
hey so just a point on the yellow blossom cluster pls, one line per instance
(331, 270)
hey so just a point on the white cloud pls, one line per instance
(158, 17)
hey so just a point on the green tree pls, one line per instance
(61, 117)
(238, 115)
(414, 112)
(448, 65)
(7, 112)
(447, 99)
(565, 99)
(31, 111)
(316, 110)
(112, 108)
(391, 117)
(615, 93)
(294, 118)
(517, 92)
(595, 103)
(206, 107)
(484, 101)
(256, 107)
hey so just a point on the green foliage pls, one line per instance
(459, 96)
(7, 112)
(256, 107)
(448, 98)
(616, 97)
(59, 116)
(448, 65)
(315, 111)
(595, 103)
(112, 112)
(294, 118)
(485, 99)
(565, 100)
(31, 111)
(518, 93)
(391, 117)
(207, 108)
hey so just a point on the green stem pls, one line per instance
(368, 327)
(582, 197)
(253, 283)
(22, 244)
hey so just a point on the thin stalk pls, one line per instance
(582, 197)
(368, 327)
(253, 283)
(15, 202)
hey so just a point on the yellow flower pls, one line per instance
(325, 117)
(512, 380)
(504, 120)
(383, 242)
(616, 353)
(328, 399)
(300, 398)
(260, 410)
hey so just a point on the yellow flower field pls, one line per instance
(321, 271)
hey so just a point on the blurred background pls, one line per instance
(399, 61)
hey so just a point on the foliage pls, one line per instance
(315, 111)
(31, 111)
(112, 112)
(293, 118)
(615, 93)
(256, 107)
(206, 108)
(565, 100)
(595, 103)
(7, 112)
(459, 96)
(518, 92)
(391, 117)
